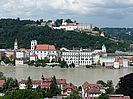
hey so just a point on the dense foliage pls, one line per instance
(22, 94)
(125, 85)
(125, 34)
(25, 31)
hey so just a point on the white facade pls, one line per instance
(43, 54)
(78, 57)
(67, 27)
(22, 86)
(84, 26)
(20, 54)
(33, 44)
(125, 62)
(108, 59)
(19, 62)
(43, 51)
(116, 65)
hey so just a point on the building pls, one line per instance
(61, 83)
(78, 57)
(84, 27)
(119, 96)
(2, 82)
(67, 26)
(42, 51)
(22, 84)
(91, 90)
(68, 89)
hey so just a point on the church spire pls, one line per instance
(15, 44)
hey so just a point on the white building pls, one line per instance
(42, 51)
(78, 57)
(84, 27)
(19, 62)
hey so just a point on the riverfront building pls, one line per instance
(82, 57)
(42, 51)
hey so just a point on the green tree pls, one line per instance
(125, 85)
(2, 77)
(72, 65)
(29, 83)
(73, 96)
(22, 94)
(63, 64)
(109, 83)
(102, 83)
(8, 86)
(53, 88)
(110, 90)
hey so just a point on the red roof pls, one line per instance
(2, 82)
(94, 91)
(22, 49)
(36, 82)
(61, 81)
(86, 84)
(45, 47)
(33, 55)
(69, 86)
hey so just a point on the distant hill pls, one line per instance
(10, 29)
(125, 34)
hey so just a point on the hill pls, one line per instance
(125, 34)
(10, 29)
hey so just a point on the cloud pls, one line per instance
(114, 9)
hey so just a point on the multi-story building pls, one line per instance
(84, 27)
(78, 57)
(41, 51)
(82, 57)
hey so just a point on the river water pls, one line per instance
(77, 75)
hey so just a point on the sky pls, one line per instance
(101, 13)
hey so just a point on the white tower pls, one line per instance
(103, 48)
(33, 44)
(15, 44)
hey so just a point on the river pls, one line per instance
(77, 75)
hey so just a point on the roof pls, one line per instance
(22, 49)
(45, 47)
(36, 82)
(117, 96)
(23, 82)
(2, 82)
(61, 81)
(33, 55)
(69, 86)
(94, 90)
(86, 84)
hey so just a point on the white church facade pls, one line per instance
(42, 51)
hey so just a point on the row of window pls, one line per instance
(79, 62)
(77, 59)
(76, 53)
(45, 51)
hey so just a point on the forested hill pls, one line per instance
(125, 34)
(10, 29)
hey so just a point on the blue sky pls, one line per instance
(102, 13)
